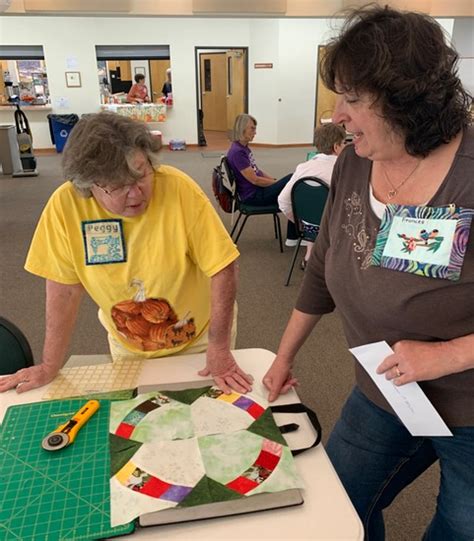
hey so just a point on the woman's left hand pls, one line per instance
(227, 374)
(418, 361)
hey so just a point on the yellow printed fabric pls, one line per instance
(232, 397)
(146, 112)
(155, 292)
(124, 474)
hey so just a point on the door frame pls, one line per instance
(201, 49)
(319, 85)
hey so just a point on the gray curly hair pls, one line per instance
(101, 150)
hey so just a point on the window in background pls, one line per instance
(23, 75)
(117, 66)
(207, 76)
(230, 74)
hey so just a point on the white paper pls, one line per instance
(72, 62)
(408, 401)
(61, 103)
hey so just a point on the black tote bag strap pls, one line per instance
(301, 408)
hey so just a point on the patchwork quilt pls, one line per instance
(194, 447)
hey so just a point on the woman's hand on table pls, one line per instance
(227, 374)
(28, 378)
(413, 360)
(279, 380)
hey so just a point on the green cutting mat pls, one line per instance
(61, 495)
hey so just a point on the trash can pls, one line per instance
(9, 152)
(60, 126)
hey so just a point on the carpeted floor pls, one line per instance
(324, 365)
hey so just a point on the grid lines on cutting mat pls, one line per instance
(56, 495)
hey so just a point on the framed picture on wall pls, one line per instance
(139, 70)
(73, 79)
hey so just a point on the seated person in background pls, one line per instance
(106, 232)
(167, 86)
(139, 92)
(329, 140)
(254, 186)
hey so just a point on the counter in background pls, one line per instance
(154, 114)
(148, 112)
(5, 107)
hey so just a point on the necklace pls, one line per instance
(395, 189)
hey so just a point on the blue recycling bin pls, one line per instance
(60, 126)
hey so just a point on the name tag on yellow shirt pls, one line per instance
(104, 242)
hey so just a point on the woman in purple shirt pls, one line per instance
(254, 186)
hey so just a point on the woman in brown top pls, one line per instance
(413, 151)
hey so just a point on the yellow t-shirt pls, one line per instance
(149, 274)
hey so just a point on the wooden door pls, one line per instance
(158, 77)
(125, 68)
(213, 91)
(236, 85)
(325, 98)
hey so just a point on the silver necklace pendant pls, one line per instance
(392, 193)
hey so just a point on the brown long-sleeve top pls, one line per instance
(380, 304)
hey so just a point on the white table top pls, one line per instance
(327, 513)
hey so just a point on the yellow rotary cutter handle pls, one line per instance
(66, 433)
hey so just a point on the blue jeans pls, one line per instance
(376, 457)
(268, 195)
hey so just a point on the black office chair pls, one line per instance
(308, 199)
(244, 209)
(15, 351)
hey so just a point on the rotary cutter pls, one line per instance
(65, 434)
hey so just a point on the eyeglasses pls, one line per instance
(123, 191)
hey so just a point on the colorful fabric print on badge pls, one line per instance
(427, 241)
(104, 242)
(150, 324)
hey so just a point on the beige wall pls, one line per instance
(294, 8)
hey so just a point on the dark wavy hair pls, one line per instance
(403, 60)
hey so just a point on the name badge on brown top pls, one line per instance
(427, 241)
